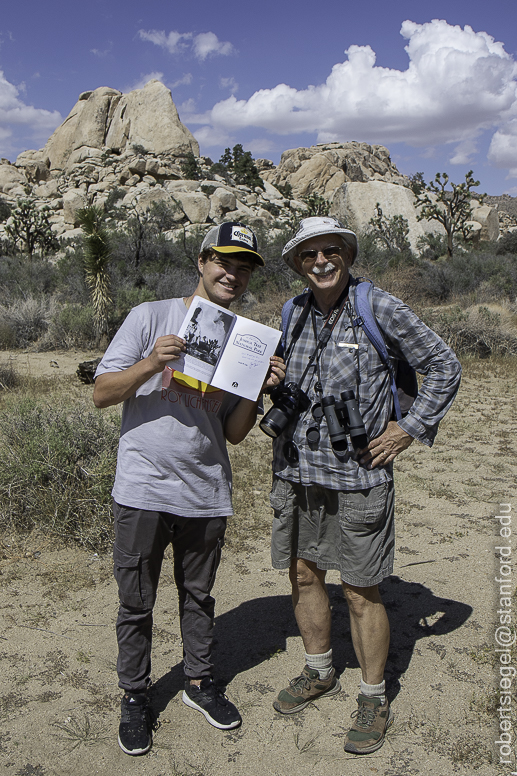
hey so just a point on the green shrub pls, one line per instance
(190, 168)
(72, 325)
(5, 210)
(477, 332)
(56, 471)
(26, 319)
(507, 243)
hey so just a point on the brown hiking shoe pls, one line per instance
(305, 688)
(372, 719)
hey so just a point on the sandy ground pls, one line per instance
(59, 702)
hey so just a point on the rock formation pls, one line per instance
(106, 120)
(322, 168)
(136, 143)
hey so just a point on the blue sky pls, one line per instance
(272, 75)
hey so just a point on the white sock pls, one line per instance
(321, 663)
(374, 690)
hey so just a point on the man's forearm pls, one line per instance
(114, 387)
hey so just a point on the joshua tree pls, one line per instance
(450, 208)
(30, 226)
(97, 253)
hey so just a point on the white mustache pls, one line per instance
(323, 270)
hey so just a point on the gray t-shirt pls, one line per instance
(172, 453)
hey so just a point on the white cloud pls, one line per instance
(458, 83)
(173, 42)
(261, 146)
(207, 44)
(144, 79)
(101, 53)
(229, 83)
(464, 152)
(203, 45)
(16, 116)
(503, 148)
(188, 106)
(184, 81)
(210, 136)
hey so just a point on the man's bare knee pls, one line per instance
(304, 573)
(360, 598)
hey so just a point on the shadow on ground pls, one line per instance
(257, 629)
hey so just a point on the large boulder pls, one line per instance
(73, 200)
(221, 202)
(355, 204)
(195, 206)
(488, 218)
(321, 168)
(106, 118)
(12, 180)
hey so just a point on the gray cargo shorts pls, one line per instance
(351, 531)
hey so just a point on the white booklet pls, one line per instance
(224, 349)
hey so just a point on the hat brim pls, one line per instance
(346, 235)
(254, 256)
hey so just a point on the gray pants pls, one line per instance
(140, 541)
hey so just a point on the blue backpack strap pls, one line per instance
(287, 314)
(366, 318)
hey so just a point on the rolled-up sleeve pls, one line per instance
(411, 339)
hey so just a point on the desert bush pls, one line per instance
(71, 325)
(8, 377)
(478, 331)
(507, 243)
(56, 471)
(24, 321)
(20, 278)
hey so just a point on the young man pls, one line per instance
(173, 482)
(335, 509)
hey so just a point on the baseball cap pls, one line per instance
(233, 237)
(315, 226)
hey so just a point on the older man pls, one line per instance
(333, 503)
(173, 482)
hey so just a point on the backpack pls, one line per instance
(403, 382)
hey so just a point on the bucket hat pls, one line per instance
(315, 226)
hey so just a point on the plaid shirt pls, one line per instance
(361, 370)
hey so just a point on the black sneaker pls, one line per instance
(135, 730)
(212, 703)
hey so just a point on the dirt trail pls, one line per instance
(59, 703)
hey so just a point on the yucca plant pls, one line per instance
(97, 254)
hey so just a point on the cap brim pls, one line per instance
(254, 256)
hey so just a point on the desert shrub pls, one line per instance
(478, 331)
(71, 283)
(171, 281)
(127, 297)
(479, 275)
(8, 377)
(20, 278)
(24, 321)
(5, 209)
(190, 168)
(71, 325)
(507, 243)
(56, 471)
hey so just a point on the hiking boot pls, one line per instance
(304, 689)
(135, 730)
(372, 719)
(212, 703)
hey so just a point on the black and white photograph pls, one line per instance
(207, 332)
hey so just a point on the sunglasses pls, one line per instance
(332, 250)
